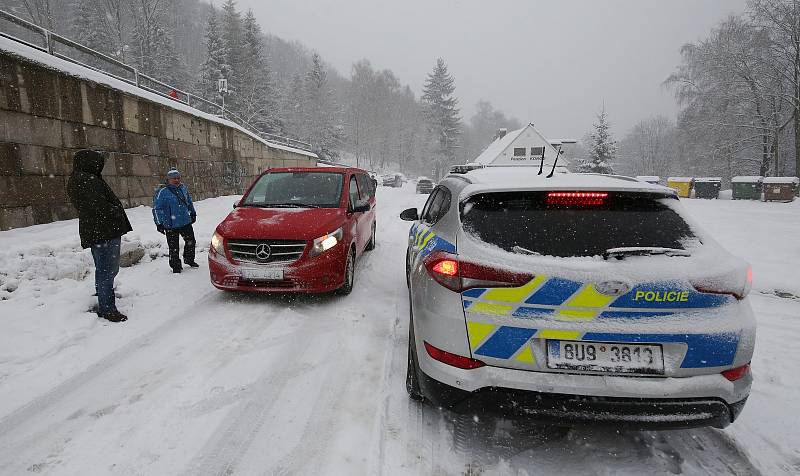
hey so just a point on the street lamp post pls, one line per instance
(222, 87)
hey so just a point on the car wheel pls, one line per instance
(349, 274)
(372, 240)
(412, 369)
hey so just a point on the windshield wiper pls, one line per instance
(524, 251)
(622, 252)
(290, 205)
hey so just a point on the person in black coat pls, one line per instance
(101, 223)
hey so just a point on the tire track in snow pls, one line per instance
(381, 424)
(221, 454)
(311, 448)
(105, 365)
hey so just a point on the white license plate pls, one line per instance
(614, 357)
(265, 274)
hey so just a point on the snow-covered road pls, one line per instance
(203, 382)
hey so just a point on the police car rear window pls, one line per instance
(573, 226)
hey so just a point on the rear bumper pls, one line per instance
(569, 410)
(320, 274)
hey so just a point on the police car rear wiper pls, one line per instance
(541, 164)
(524, 251)
(622, 252)
(558, 152)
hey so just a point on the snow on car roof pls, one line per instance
(649, 178)
(708, 179)
(781, 180)
(515, 178)
(747, 178)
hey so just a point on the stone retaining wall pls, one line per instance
(47, 115)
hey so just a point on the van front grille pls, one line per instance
(266, 251)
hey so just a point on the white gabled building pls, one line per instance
(522, 147)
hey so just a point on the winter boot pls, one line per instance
(192, 264)
(177, 270)
(114, 316)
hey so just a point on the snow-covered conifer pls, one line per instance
(602, 147)
(442, 114)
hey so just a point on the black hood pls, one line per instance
(89, 161)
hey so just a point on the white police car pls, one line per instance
(574, 299)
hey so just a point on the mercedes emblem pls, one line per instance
(263, 252)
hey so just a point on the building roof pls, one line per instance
(496, 149)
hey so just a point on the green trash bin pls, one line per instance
(707, 187)
(746, 187)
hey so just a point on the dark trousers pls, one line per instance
(187, 232)
(106, 264)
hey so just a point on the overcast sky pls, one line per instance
(550, 62)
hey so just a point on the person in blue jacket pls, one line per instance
(174, 213)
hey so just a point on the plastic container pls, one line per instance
(746, 187)
(682, 185)
(780, 189)
(707, 187)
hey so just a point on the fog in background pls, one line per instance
(553, 63)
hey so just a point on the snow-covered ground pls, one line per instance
(203, 382)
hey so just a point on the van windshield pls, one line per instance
(527, 221)
(296, 189)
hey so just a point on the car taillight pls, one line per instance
(737, 373)
(452, 359)
(459, 275)
(577, 198)
(738, 288)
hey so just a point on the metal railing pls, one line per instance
(34, 36)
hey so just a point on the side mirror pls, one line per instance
(409, 214)
(360, 208)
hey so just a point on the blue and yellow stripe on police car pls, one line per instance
(571, 301)
(566, 300)
(426, 241)
(514, 343)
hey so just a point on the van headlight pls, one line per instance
(216, 243)
(326, 242)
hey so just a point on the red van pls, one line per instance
(296, 230)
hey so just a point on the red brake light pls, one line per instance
(577, 198)
(737, 373)
(452, 359)
(447, 267)
(458, 275)
(723, 285)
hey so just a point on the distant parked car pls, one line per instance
(393, 180)
(424, 185)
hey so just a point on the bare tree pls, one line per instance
(650, 148)
(729, 87)
(42, 12)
